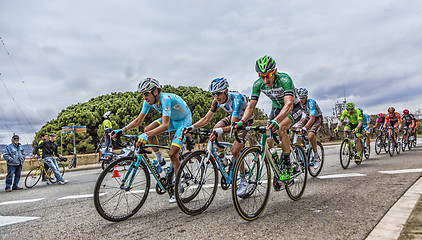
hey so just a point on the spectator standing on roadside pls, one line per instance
(107, 129)
(14, 156)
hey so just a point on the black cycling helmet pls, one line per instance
(265, 64)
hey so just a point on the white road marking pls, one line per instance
(22, 201)
(7, 220)
(342, 175)
(78, 196)
(402, 171)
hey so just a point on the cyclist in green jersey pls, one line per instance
(355, 122)
(286, 109)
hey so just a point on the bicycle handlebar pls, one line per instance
(204, 132)
(260, 129)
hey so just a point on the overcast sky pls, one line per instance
(59, 53)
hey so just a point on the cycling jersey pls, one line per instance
(180, 116)
(408, 119)
(393, 117)
(282, 86)
(235, 104)
(169, 105)
(353, 118)
(380, 120)
(365, 120)
(312, 108)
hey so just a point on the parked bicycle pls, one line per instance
(315, 163)
(257, 161)
(34, 176)
(198, 176)
(72, 161)
(348, 150)
(123, 186)
(107, 157)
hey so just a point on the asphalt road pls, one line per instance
(332, 207)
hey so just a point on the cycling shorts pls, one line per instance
(177, 125)
(315, 127)
(294, 116)
(242, 134)
(351, 126)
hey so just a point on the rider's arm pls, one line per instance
(137, 122)
(286, 110)
(160, 129)
(249, 110)
(360, 123)
(310, 122)
(205, 120)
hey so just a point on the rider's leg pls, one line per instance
(312, 140)
(285, 140)
(174, 157)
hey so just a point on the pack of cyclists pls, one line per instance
(288, 105)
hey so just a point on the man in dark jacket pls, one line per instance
(14, 156)
(49, 151)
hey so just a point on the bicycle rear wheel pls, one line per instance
(316, 167)
(378, 145)
(258, 175)
(33, 177)
(404, 142)
(50, 173)
(345, 154)
(199, 178)
(367, 151)
(116, 201)
(295, 187)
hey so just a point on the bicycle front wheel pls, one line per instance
(33, 177)
(316, 167)
(378, 145)
(253, 175)
(196, 183)
(117, 200)
(345, 154)
(295, 187)
(391, 146)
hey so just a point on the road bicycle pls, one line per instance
(314, 164)
(257, 161)
(392, 141)
(407, 139)
(198, 176)
(107, 157)
(122, 187)
(34, 176)
(348, 150)
(381, 142)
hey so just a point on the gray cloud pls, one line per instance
(367, 51)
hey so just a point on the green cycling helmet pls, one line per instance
(350, 105)
(265, 64)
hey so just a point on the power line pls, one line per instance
(23, 114)
(22, 81)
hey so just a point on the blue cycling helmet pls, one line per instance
(218, 85)
(360, 109)
(302, 91)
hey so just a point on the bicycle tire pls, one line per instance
(378, 145)
(296, 187)
(33, 177)
(398, 146)
(70, 164)
(391, 146)
(196, 197)
(409, 144)
(367, 152)
(403, 143)
(108, 189)
(52, 177)
(345, 154)
(314, 172)
(250, 205)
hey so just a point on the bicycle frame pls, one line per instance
(212, 151)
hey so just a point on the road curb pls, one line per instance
(393, 222)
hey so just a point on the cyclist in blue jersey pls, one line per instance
(311, 123)
(234, 104)
(175, 116)
(366, 126)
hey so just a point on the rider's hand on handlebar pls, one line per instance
(216, 132)
(142, 139)
(274, 126)
(186, 131)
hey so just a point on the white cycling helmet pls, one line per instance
(148, 84)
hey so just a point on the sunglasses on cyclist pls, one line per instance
(146, 93)
(301, 98)
(350, 109)
(266, 75)
(217, 93)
